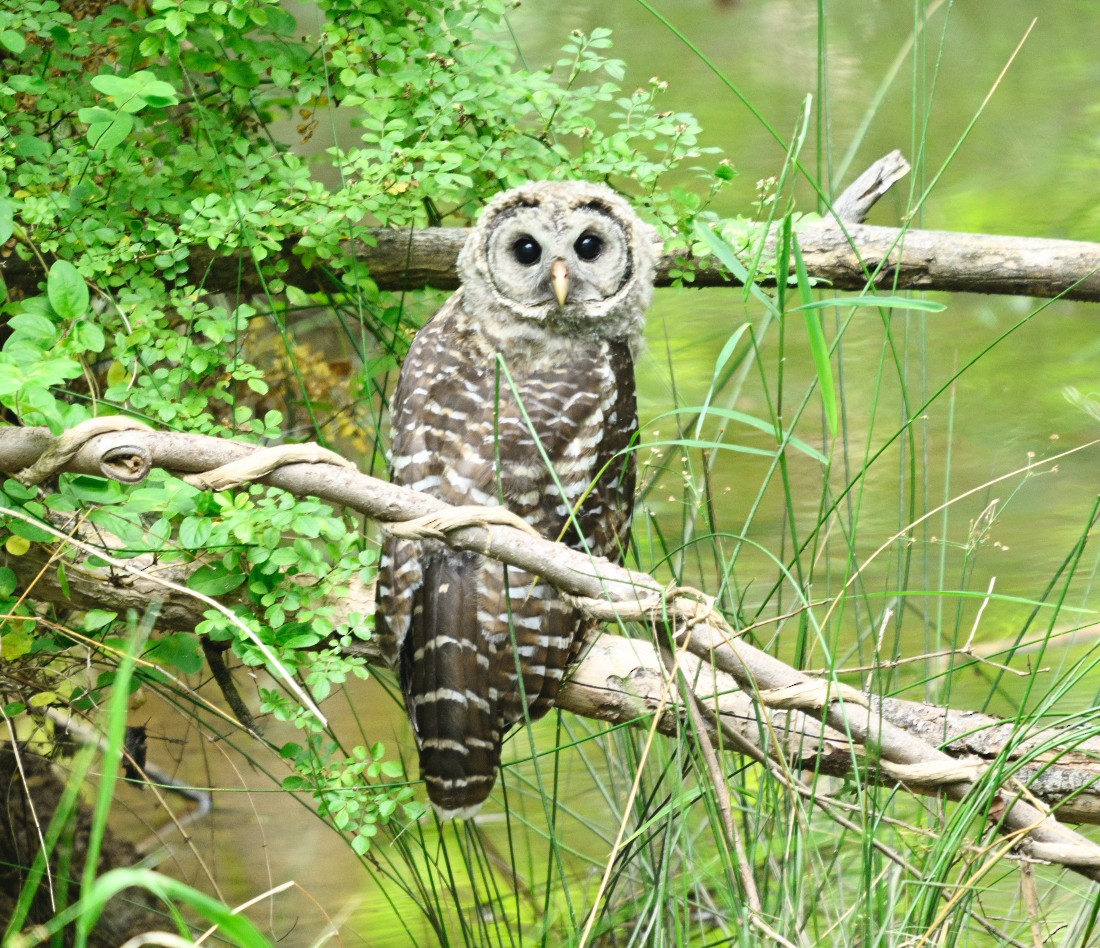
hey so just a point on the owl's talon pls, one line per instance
(262, 462)
(436, 526)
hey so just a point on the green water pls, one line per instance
(1025, 168)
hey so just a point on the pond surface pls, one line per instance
(1026, 168)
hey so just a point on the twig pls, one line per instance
(228, 688)
(856, 200)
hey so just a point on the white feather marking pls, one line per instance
(444, 743)
(450, 694)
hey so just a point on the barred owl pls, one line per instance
(519, 392)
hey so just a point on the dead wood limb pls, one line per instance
(945, 261)
(606, 588)
(619, 680)
(839, 255)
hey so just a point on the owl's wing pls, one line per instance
(585, 416)
(606, 514)
(429, 613)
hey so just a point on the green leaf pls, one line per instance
(17, 546)
(27, 531)
(392, 769)
(7, 221)
(16, 643)
(67, 290)
(175, 22)
(215, 580)
(96, 490)
(180, 650)
(280, 23)
(32, 85)
(18, 491)
(109, 135)
(124, 524)
(30, 146)
(12, 41)
(95, 619)
(298, 635)
(8, 581)
(89, 336)
(195, 532)
(133, 93)
(95, 115)
(117, 87)
(239, 72)
(33, 328)
(155, 93)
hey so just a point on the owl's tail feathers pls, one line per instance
(459, 747)
(445, 676)
(456, 791)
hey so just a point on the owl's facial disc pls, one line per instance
(567, 261)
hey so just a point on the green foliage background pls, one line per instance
(133, 135)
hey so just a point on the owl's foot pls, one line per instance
(262, 462)
(436, 526)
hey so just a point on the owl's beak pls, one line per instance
(559, 280)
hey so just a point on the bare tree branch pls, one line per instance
(840, 251)
(814, 720)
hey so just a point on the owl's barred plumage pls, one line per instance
(519, 392)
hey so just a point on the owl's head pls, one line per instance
(570, 256)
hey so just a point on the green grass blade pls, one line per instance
(112, 759)
(819, 347)
(86, 912)
(719, 366)
(732, 414)
(726, 256)
(876, 302)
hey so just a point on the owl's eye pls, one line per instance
(588, 246)
(526, 250)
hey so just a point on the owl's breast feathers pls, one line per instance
(481, 647)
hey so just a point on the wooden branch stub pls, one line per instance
(855, 201)
(126, 463)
